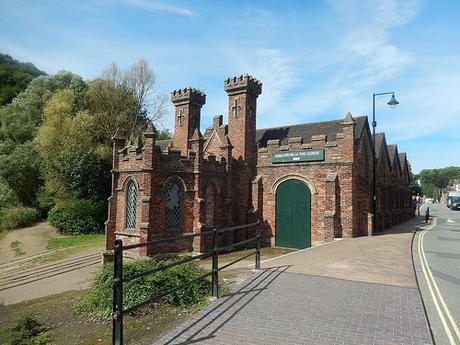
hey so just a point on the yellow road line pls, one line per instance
(436, 295)
(443, 303)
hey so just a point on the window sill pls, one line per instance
(128, 232)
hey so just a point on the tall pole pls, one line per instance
(374, 197)
(391, 103)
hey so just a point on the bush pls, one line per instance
(79, 216)
(45, 201)
(28, 331)
(98, 302)
(17, 217)
(7, 196)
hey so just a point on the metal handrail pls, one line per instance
(119, 311)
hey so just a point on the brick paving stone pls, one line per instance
(278, 307)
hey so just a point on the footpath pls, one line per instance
(352, 291)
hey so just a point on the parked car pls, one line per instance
(455, 203)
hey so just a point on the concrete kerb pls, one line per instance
(417, 280)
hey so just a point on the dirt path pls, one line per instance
(28, 241)
(19, 283)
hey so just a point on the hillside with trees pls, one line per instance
(433, 180)
(14, 77)
(56, 144)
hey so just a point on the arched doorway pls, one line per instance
(293, 223)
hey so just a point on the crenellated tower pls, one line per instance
(242, 105)
(188, 103)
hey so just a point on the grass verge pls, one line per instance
(59, 242)
(66, 327)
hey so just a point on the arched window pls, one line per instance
(173, 199)
(131, 201)
(210, 205)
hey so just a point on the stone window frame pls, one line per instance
(130, 181)
(182, 189)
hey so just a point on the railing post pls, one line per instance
(258, 246)
(215, 265)
(117, 315)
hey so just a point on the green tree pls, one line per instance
(14, 77)
(19, 120)
(164, 134)
(112, 106)
(20, 169)
(433, 180)
(139, 79)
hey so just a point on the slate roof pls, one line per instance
(307, 130)
(402, 160)
(378, 143)
(391, 152)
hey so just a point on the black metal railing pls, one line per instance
(118, 309)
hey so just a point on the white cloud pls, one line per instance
(159, 6)
(274, 69)
(364, 58)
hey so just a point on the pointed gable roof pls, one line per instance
(391, 152)
(394, 157)
(379, 141)
(405, 166)
(382, 148)
(403, 160)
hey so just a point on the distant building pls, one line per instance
(306, 183)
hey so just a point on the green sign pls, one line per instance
(298, 156)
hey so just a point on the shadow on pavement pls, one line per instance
(223, 310)
(414, 224)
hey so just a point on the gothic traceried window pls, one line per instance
(131, 201)
(173, 206)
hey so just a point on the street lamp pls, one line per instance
(392, 103)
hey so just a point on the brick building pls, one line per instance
(306, 183)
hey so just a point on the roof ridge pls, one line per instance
(309, 123)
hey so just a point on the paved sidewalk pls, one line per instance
(384, 258)
(286, 304)
(278, 307)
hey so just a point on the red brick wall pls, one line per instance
(338, 161)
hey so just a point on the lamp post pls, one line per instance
(392, 103)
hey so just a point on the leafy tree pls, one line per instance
(433, 180)
(7, 195)
(20, 169)
(140, 80)
(19, 120)
(14, 77)
(164, 134)
(80, 168)
(112, 106)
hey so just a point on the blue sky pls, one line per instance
(317, 60)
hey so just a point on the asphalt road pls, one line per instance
(437, 262)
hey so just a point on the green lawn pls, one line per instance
(59, 242)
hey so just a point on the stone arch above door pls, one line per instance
(294, 176)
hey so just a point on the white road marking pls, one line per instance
(450, 221)
(431, 282)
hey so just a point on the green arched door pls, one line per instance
(293, 202)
